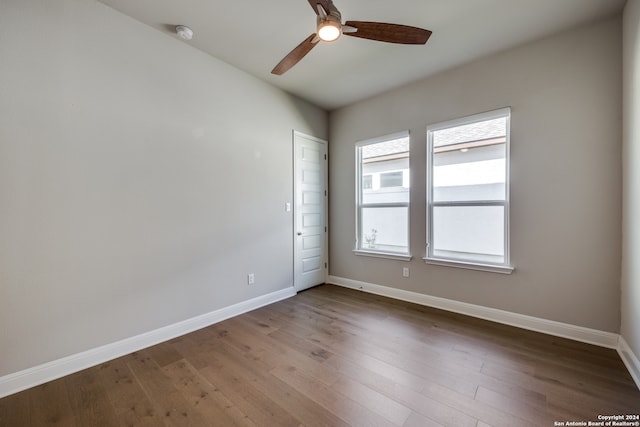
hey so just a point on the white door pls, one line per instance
(310, 215)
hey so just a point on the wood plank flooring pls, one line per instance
(337, 357)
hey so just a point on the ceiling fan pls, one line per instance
(330, 27)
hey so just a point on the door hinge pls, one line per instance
(325, 157)
(325, 265)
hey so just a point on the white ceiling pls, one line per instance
(253, 35)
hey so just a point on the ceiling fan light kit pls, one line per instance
(329, 28)
(329, 31)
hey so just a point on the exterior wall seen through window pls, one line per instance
(468, 191)
(383, 195)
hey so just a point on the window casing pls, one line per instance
(468, 192)
(382, 197)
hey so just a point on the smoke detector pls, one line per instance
(184, 32)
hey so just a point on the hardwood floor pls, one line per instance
(336, 357)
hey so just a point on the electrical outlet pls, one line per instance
(405, 272)
(251, 278)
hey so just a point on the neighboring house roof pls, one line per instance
(386, 148)
(487, 129)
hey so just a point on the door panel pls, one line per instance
(310, 216)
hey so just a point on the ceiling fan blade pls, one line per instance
(295, 55)
(324, 3)
(390, 33)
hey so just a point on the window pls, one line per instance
(367, 182)
(382, 201)
(468, 192)
(391, 179)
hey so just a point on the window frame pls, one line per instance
(359, 248)
(429, 258)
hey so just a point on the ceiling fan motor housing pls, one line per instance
(331, 18)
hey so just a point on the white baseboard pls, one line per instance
(22, 380)
(564, 330)
(630, 360)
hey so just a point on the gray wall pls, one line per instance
(565, 94)
(630, 329)
(140, 180)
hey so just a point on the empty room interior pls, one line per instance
(433, 220)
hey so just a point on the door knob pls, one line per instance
(299, 233)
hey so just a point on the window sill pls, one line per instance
(387, 255)
(471, 266)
